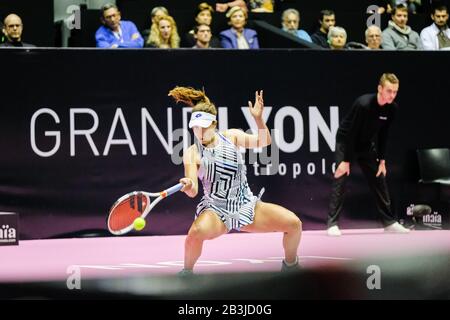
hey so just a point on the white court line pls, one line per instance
(139, 265)
(201, 263)
(316, 257)
(324, 258)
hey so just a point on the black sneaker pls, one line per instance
(185, 273)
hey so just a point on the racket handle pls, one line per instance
(174, 189)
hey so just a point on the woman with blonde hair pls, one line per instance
(228, 202)
(163, 33)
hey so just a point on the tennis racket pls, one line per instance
(134, 205)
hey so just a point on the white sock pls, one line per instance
(291, 264)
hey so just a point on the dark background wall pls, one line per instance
(61, 194)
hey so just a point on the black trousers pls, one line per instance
(369, 165)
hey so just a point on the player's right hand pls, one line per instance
(187, 184)
(343, 168)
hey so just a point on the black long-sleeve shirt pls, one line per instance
(320, 39)
(16, 44)
(366, 123)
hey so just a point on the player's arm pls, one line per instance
(191, 159)
(356, 116)
(262, 137)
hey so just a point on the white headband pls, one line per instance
(201, 119)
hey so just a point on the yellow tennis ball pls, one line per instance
(139, 224)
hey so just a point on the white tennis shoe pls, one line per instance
(396, 228)
(334, 231)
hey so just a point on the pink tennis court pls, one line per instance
(112, 257)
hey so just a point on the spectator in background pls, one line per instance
(261, 5)
(386, 6)
(223, 7)
(437, 35)
(2, 35)
(203, 16)
(202, 34)
(290, 21)
(337, 38)
(116, 33)
(373, 37)
(254, 5)
(165, 36)
(327, 19)
(238, 37)
(412, 5)
(156, 12)
(12, 30)
(398, 35)
(382, 6)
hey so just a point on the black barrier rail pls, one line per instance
(79, 128)
(277, 38)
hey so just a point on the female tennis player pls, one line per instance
(228, 203)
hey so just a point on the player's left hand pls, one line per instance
(256, 109)
(381, 169)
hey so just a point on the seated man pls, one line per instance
(437, 35)
(12, 29)
(327, 19)
(116, 33)
(202, 35)
(398, 35)
(290, 21)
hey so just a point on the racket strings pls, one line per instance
(124, 214)
(139, 202)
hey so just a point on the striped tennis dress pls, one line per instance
(226, 191)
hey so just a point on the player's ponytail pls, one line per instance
(193, 98)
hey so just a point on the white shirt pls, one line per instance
(118, 34)
(242, 42)
(429, 37)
